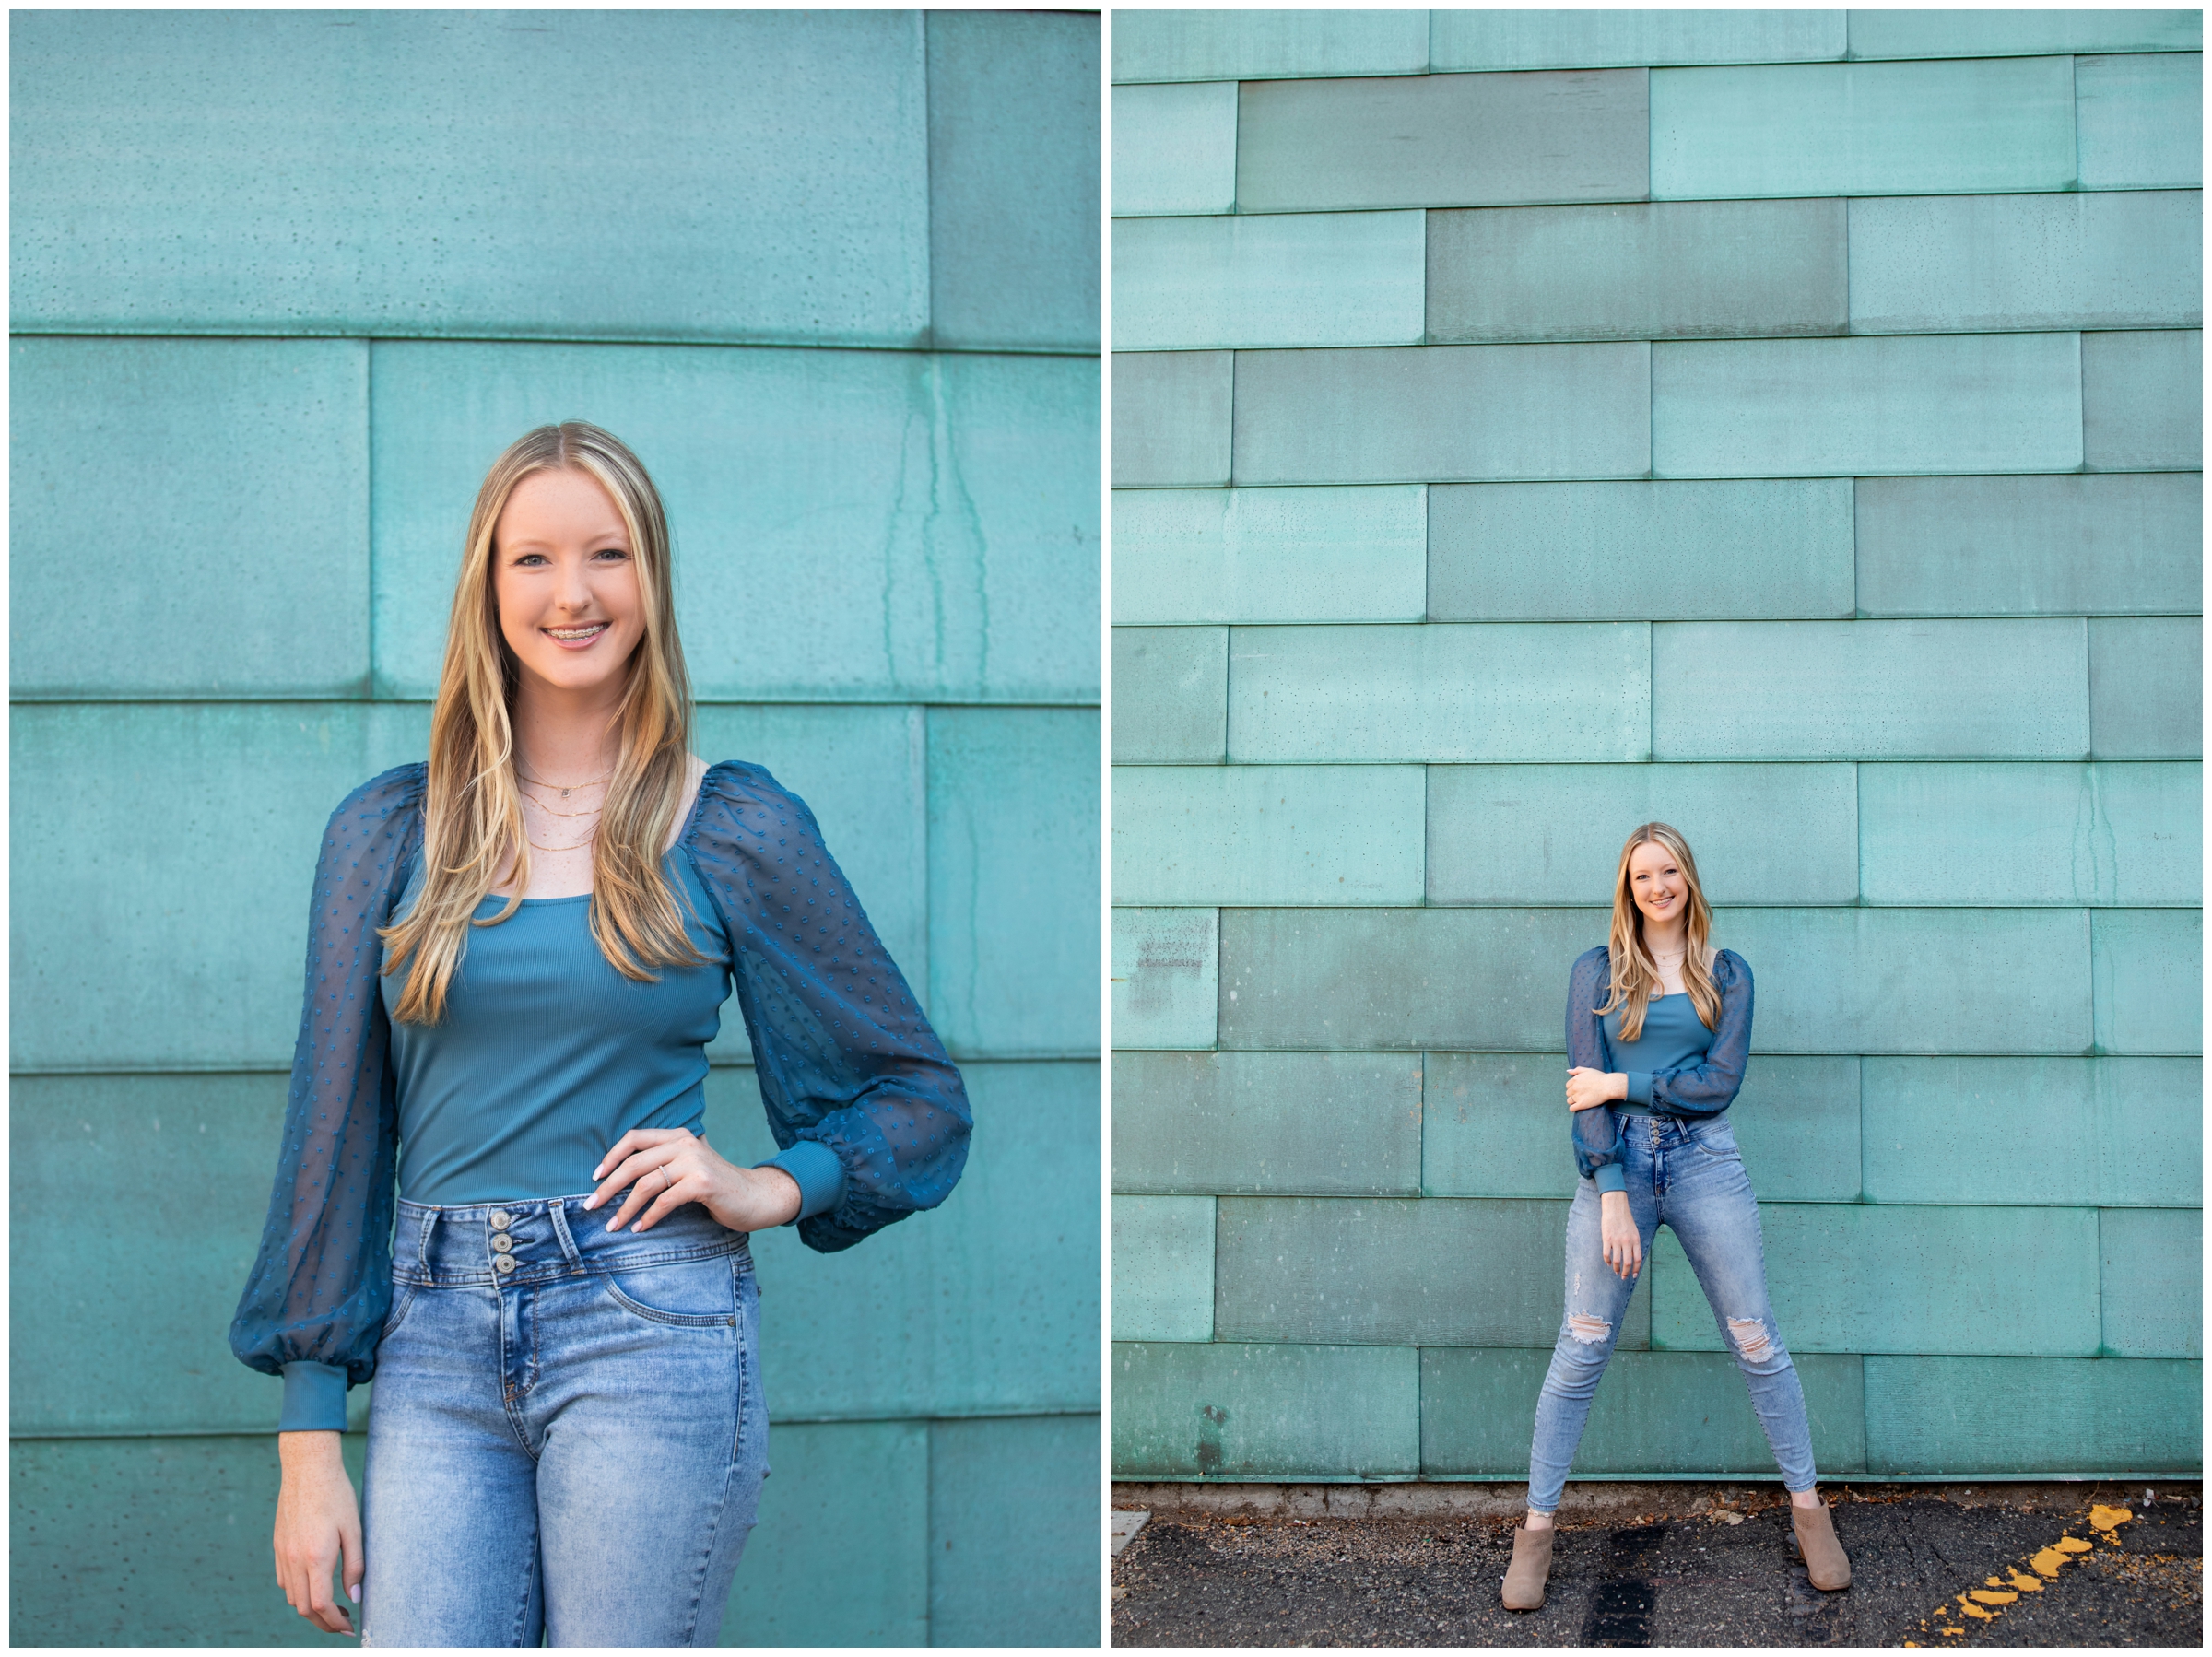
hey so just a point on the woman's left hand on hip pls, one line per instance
(664, 1167)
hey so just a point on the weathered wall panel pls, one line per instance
(2141, 120)
(1264, 1410)
(1560, 40)
(1268, 834)
(1270, 554)
(1175, 148)
(1171, 418)
(1253, 45)
(1268, 280)
(1170, 695)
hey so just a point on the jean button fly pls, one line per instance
(499, 1219)
(503, 1264)
(502, 1243)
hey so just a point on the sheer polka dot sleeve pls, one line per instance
(322, 1283)
(843, 1054)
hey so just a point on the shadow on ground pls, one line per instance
(1698, 1566)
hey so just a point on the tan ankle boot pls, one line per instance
(1531, 1569)
(1824, 1561)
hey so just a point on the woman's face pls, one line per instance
(1657, 883)
(565, 578)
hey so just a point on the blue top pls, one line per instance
(1673, 1036)
(568, 1053)
(849, 1070)
(1702, 1083)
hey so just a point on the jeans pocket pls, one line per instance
(684, 1294)
(1716, 1139)
(404, 1297)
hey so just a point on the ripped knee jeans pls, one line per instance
(1690, 1176)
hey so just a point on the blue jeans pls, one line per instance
(569, 1449)
(1689, 1176)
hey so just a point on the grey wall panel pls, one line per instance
(2141, 120)
(2142, 400)
(1640, 551)
(252, 456)
(1927, 403)
(1556, 40)
(1528, 834)
(1871, 689)
(1303, 1123)
(1172, 418)
(1175, 148)
(1268, 280)
(1403, 415)
(2147, 686)
(424, 173)
(1318, 553)
(2109, 834)
(1939, 265)
(1500, 691)
(1863, 129)
(1253, 45)
(1013, 181)
(1170, 695)
(1662, 270)
(1441, 141)
(2085, 544)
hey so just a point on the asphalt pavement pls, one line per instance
(1665, 1564)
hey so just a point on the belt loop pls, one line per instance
(558, 1211)
(422, 1243)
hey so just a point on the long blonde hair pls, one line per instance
(1635, 972)
(473, 814)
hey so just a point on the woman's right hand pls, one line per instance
(1622, 1243)
(318, 1520)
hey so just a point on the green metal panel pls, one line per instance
(2074, 1132)
(1013, 939)
(1270, 554)
(419, 173)
(1638, 551)
(1013, 1556)
(1903, 33)
(1276, 1123)
(1252, 45)
(2142, 400)
(1584, 39)
(2153, 1293)
(1659, 1412)
(1163, 1273)
(2146, 687)
(2095, 834)
(1668, 270)
(2087, 544)
(839, 1490)
(1422, 1271)
(150, 1542)
(1398, 414)
(1440, 141)
(1871, 690)
(1264, 1411)
(2148, 969)
(1863, 129)
(1170, 694)
(1013, 179)
(1925, 403)
(1171, 418)
(179, 949)
(2040, 1416)
(1165, 977)
(1857, 1278)
(871, 1332)
(1494, 1125)
(1553, 833)
(257, 453)
(1938, 264)
(1497, 692)
(863, 526)
(1268, 834)
(2141, 119)
(1175, 148)
(1269, 280)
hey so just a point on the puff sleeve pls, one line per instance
(844, 1057)
(1595, 1132)
(1709, 1087)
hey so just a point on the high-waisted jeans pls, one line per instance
(568, 1436)
(1690, 1176)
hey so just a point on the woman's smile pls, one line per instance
(578, 637)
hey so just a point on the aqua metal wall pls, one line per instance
(284, 285)
(1783, 424)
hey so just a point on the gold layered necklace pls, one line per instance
(593, 811)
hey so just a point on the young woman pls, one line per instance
(516, 956)
(1658, 1027)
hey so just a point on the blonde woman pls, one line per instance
(517, 954)
(1658, 1030)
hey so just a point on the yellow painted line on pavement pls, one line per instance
(1987, 1604)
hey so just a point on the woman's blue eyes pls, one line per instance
(539, 557)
